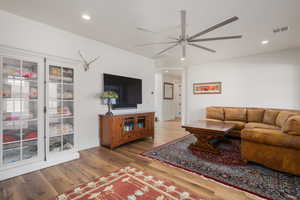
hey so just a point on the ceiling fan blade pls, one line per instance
(202, 47)
(232, 19)
(183, 51)
(163, 51)
(155, 43)
(155, 33)
(183, 24)
(217, 38)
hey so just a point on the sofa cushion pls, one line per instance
(271, 137)
(292, 125)
(238, 124)
(215, 113)
(270, 116)
(261, 125)
(235, 114)
(255, 115)
(283, 117)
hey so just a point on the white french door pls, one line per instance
(21, 113)
(60, 126)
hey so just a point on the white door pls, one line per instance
(21, 113)
(60, 126)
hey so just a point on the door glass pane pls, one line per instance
(11, 68)
(55, 144)
(29, 90)
(55, 74)
(68, 75)
(29, 130)
(11, 88)
(11, 153)
(67, 108)
(55, 128)
(29, 110)
(29, 70)
(55, 90)
(68, 126)
(55, 108)
(68, 92)
(11, 110)
(11, 131)
(68, 142)
(29, 149)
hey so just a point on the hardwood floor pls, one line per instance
(99, 161)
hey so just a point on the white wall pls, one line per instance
(266, 80)
(169, 107)
(30, 35)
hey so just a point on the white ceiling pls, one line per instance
(115, 21)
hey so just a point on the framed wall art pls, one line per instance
(168, 91)
(207, 88)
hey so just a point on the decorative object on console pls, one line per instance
(86, 64)
(207, 88)
(168, 91)
(109, 98)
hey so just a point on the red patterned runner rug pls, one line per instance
(128, 184)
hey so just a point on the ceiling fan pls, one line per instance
(185, 40)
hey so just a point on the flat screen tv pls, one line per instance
(128, 89)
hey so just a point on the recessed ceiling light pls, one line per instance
(265, 42)
(86, 17)
(166, 71)
(183, 58)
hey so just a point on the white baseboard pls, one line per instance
(20, 170)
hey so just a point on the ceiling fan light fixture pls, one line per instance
(184, 40)
(264, 42)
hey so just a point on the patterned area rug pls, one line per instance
(128, 184)
(230, 153)
(252, 178)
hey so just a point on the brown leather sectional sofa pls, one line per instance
(270, 137)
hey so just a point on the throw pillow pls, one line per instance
(255, 115)
(235, 114)
(270, 116)
(283, 116)
(215, 113)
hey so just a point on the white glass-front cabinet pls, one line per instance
(37, 126)
(60, 109)
(21, 114)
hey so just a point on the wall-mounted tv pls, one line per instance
(128, 89)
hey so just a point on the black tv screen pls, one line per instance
(128, 89)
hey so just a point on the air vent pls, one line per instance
(281, 29)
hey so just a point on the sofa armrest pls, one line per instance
(271, 137)
(292, 125)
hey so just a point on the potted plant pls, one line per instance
(109, 98)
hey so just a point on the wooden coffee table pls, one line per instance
(206, 132)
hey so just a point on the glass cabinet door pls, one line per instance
(19, 110)
(60, 112)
